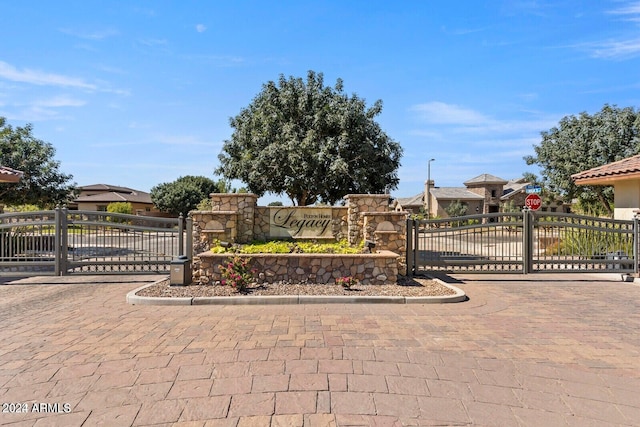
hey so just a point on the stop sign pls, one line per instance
(533, 202)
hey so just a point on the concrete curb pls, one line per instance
(134, 299)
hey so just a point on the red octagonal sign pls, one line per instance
(533, 202)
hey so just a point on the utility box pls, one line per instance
(180, 271)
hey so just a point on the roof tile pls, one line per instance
(9, 175)
(622, 169)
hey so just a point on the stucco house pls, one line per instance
(409, 204)
(485, 193)
(98, 196)
(10, 175)
(624, 176)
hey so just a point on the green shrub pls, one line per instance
(287, 247)
(589, 243)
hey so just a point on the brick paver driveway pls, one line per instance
(546, 351)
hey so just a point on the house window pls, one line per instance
(101, 208)
(493, 193)
(554, 209)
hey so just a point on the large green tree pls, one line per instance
(43, 183)
(185, 193)
(583, 142)
(309, 141)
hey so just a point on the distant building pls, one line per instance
(98, 196)
(485, 193)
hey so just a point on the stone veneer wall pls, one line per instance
(242, 203)
(389, 232)
(370, 269)
(359, 204)
(209, 226)
(235, 218)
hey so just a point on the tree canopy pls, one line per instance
(42, 183)
(584, 142)
(311, 142)
(185, 193)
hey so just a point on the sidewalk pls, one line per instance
(523, 351)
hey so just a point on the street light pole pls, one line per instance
(428, 192)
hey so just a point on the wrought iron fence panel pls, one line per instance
(101, 242)
(28, 243)
(487, 242)
(564, 242)
(61, 241)
(524, 242)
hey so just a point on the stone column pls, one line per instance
(357, 205)
(245, 206)
(389, 232)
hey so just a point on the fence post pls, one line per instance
(410, 249)
(57, 229)
(180, 235)
(416, 243)
(189, 248)
(61, 241)
(527, 243)
(636, 242)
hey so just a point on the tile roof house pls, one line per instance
(98, 196)
(10, 175)
(485, 193)
(410, 204)
(624, 176)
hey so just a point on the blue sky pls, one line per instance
(138, 93)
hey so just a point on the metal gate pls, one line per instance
(61, 242)
(525, 242)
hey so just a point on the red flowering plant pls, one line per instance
(346, 282)
(236, 273)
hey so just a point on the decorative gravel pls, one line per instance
(406, 287)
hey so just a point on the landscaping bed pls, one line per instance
(289, 247)
(406, 287)
(378, 268)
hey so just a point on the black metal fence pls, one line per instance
(60, 242)
(525, 242)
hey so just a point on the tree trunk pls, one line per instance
(605, 202)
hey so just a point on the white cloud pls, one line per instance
(9, 72)
(169, 140)
(615, 49)
(201, 28)
(622, 47)
(441, 113)
(450, 119)
(152, 42)
(185, 140)
(58, 101)
(630, 12)
(94, 35)
(216, 60)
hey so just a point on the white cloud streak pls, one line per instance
(620, 48)
(201, 28)
(94, 35)
(58, 101)
(630, 12)
(40, 78)
(168, 140)
(453, 119)
(615, 49)
(441, 113)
